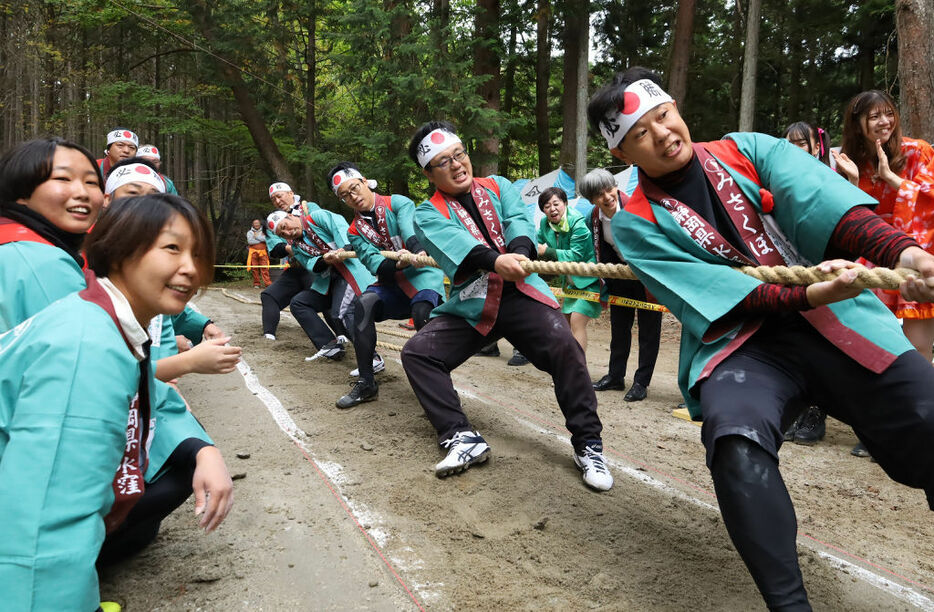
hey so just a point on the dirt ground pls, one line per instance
(351, 516)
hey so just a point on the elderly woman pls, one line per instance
(599, 187)
(563, 236)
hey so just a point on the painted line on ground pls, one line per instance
(331, 474)
(543, 425)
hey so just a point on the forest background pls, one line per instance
(238, 93)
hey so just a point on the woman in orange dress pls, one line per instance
(898, 172)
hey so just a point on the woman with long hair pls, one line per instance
(898, 172)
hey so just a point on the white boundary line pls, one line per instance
(905, 593)
(374, 523)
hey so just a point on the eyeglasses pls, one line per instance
(447, 161)
(352, 191)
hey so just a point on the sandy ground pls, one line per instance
(351, 515)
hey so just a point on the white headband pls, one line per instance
(432, 144)
(122, 136)
(638, 99)
(278, 187)
(274, 219)
(133, 173)
(344, 175)
(148, 151)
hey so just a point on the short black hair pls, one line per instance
(423, 131)
(545, 196)
(129, 227)
(29, 164)
(133, 160)
(609, 96)
(344, 165)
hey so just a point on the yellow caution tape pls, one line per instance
(614, 300)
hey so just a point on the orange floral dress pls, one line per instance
(910, 208)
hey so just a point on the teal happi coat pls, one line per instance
(272, 240)
(67, 379)
(332, 230)
(448, 241)
(34, 275)
(400, 222)
(805, 201)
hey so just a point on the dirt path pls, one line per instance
(521, 532)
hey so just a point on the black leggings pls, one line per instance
(760, 519)
(141, 526)
(368, 309)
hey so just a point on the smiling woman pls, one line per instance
(79, 408)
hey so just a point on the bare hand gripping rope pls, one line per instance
(867, 278)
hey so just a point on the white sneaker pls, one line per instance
(593, 467)
(464, 449)
(269, 336)
(378, 366)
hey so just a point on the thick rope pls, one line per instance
(868, 278)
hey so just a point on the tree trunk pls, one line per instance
(311, 117)
(486, 62)
(270, 155)
(509, 90)
(577, 14)
(747, 103)
(542, 74)
(681, 53)
(914, 21)
(580, 141)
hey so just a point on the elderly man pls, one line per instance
(292, 288)
(478, 230)
(600, 188)
(754, 354)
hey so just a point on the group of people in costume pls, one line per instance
(754, 355)
(97, 446)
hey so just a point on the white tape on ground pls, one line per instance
(373, 523)
(904, 593)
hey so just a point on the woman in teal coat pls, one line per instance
(75, 400)
(563, 236)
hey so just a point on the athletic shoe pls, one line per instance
(811, 427)
(490, 350)
(860, 450)
(593, 466)
(517, 359)
(378, 366)
(465, 448)
(334, 349)
(269, 336)
(362, 391)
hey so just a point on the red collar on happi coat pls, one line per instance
(128, 483)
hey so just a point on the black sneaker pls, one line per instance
(860, 450)
(789, 435)
(362, 391)
(490, 350)
(811, 427)
(517, 359)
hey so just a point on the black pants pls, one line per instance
(141, 526)
(292, 289)
(621, 320)
(753, 395)
(368, 310)
(541, 333)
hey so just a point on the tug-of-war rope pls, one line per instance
(867, 278)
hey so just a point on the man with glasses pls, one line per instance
(478, 230)
(402, 290)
